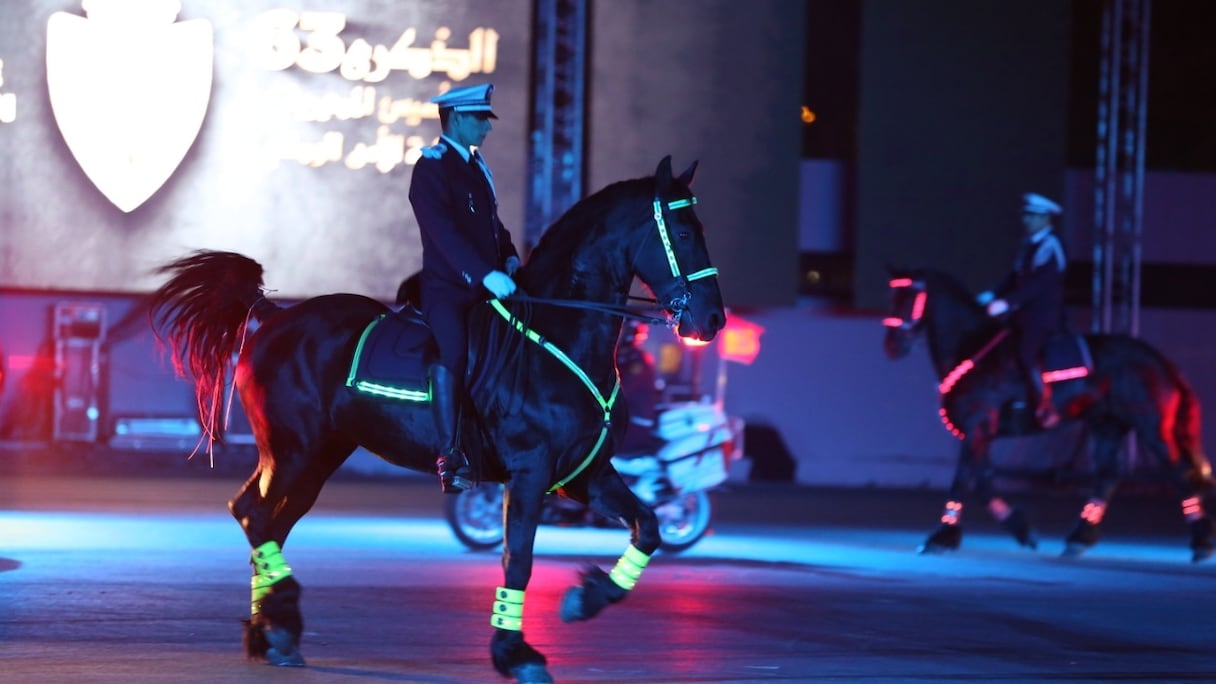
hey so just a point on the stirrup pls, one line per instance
(452, 480)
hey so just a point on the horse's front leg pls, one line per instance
(610, 496)
(949, 533)
(973, 474)
(1012, 518)
(511, 654)
(1107, 439)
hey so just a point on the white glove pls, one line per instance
(984, 297)
(512, 265)
(499, 284)
(997, 307)
(434, 151)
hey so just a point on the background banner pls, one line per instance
(135, 132)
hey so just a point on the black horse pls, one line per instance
(1129, 387)
(545, 418)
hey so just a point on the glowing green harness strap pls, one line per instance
(508, 609)
(605, 404)
(268, 567)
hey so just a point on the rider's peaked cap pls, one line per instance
(468, 99)
(1038, 204)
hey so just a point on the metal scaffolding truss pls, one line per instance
(1119, 173)
(555, 161)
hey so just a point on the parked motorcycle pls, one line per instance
(698, 442)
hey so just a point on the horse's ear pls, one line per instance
(662, 174)
(689, 173)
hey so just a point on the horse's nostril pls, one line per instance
(716, 321)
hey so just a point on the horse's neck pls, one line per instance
(956, 333)
(588, 337)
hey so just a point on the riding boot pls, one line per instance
(1040, 396)
(452, 465)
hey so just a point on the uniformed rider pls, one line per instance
(1032, 294)
(467, 255)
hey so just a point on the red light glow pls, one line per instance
(740, 340)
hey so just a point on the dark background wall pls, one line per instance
(963, 107)
(718, 81)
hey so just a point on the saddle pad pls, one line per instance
(1066, 356)
(391, 358)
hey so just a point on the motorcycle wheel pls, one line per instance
(683, 521)
(475, 516)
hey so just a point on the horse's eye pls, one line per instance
(683, 234)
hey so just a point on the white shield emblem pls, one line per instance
(129, 89)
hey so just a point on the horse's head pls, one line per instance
(673, 259)
(909, 295)
(933, 302)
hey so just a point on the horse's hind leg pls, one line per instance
(1192, 470)
(1173, 451)
(611, 497)
(268, 507)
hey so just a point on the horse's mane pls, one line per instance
(552, 261)
(946, 283)
(551, 258)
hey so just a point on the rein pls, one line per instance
(644, 314)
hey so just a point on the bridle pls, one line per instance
(675, 297)
(911, 319)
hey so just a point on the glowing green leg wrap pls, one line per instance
(508, 609)
(629, 568)
(268, 567)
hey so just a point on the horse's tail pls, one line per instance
(1188, 429)
(202, 314)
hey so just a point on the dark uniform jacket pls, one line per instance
(1034, 288)
(462, 241)
(462, 236)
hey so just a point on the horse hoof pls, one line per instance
(944, 538)
(572, 605)
(284, 650)
(1074, 550)
(293, 659)
(531, 673)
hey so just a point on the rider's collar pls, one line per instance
(460, 149)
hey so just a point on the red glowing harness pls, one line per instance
(913, 320)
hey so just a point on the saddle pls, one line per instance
(391, 359)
